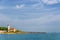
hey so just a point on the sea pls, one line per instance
(48, 36)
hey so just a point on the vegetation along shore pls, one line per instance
(11, 30)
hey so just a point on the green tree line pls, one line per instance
(3, 28)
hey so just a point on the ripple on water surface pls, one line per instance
(30, 36)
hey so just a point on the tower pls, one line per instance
(8, 27)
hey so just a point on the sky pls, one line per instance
(31, 15)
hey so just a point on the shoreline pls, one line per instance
(24, 33)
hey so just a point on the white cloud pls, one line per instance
(20, 6)
(50, 1)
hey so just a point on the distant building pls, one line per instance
(10, 29)
(2, 31)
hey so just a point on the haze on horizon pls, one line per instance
(31, 15)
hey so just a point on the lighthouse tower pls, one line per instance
(8, 27)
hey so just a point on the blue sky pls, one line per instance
(31, 15)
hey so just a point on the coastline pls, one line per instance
(10, 30)
(24, 33)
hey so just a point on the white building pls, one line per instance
(10, 29)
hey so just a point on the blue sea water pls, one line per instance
(49, 36)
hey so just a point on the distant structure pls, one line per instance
(10, 29)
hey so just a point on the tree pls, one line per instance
(3, 28)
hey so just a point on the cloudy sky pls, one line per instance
(31, 15)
